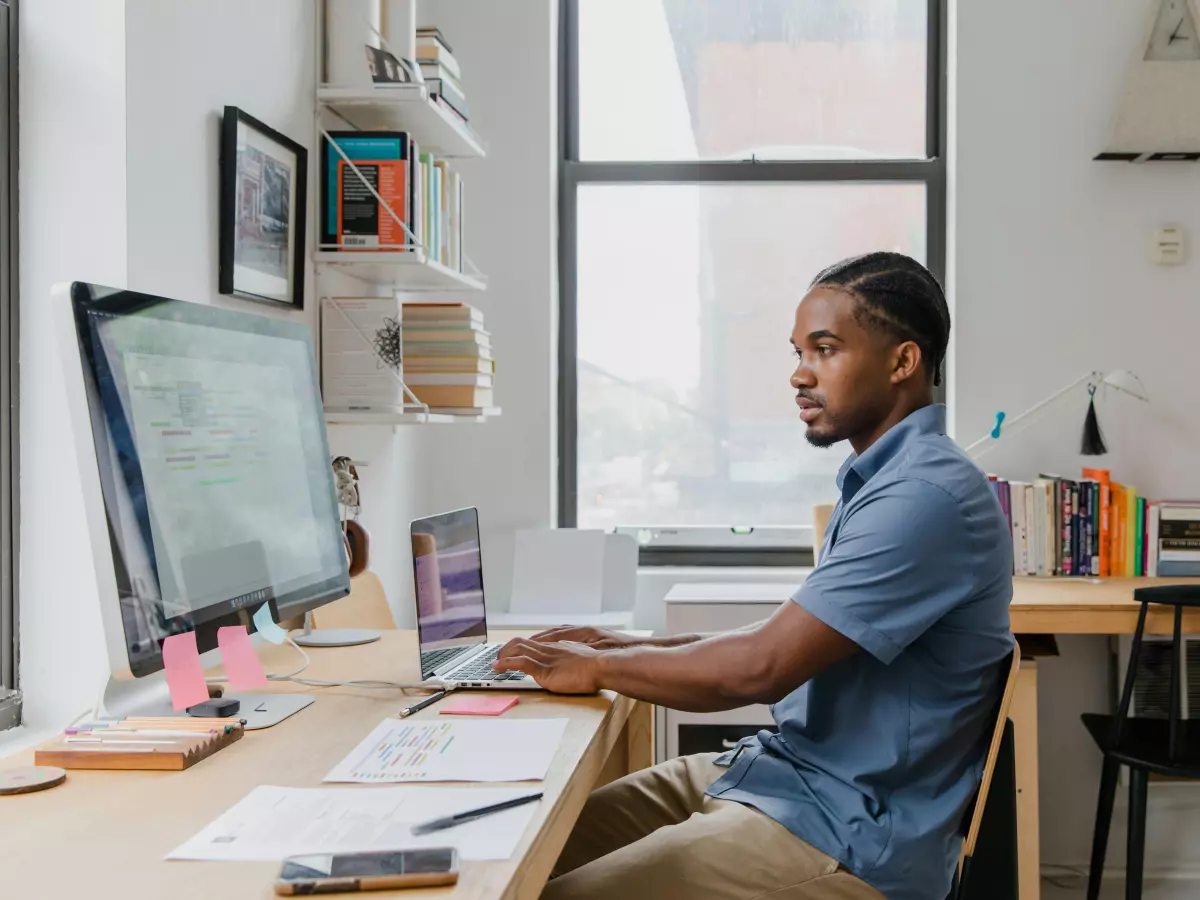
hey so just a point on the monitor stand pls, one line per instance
(334, 637)
(123, 699)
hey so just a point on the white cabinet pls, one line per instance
(713, 607)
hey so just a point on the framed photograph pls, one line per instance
(385, 68)
(263, 199)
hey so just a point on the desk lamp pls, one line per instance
(1093, 441)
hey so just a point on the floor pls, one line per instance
(1114, 889)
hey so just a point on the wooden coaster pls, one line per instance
(28, 779)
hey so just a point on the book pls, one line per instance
(361, 363)
(1104, 478)
(449, 348)
(1131, 529)
(1139, 537)
(1118, 529)
(1038, 531)
(1152, 513)
(1076, 532)
(449, 364)
(381, 157)
(432, 32)
(1094, 526)
(448, 378)
(415, 336)
(453, 395)
(1083, 558)
(1018, 527)
(453, 95)
(431, 50)
(1067, 529)
(447, 312)
(437, 70)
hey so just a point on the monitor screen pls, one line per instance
(214, 466)
(448, 569)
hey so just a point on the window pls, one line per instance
(716, 156)
(10, 700)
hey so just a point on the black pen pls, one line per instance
(470, 814)
(417, 707)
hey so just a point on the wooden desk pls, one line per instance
(104, 834)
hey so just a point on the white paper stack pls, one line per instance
(361, 348)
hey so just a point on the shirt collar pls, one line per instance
(858, 470)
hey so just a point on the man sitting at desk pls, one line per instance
(884, 669)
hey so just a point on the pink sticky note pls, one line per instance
(241, 662)
(185, 675)
(479, 705)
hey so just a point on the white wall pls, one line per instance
(73, 203)
(1052, 278)
(119, 175)
(506, 466)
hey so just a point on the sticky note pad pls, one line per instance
(266, 625)
(479, 705)
(185, 675)
(241, 662)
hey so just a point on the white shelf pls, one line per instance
(405, 271)
(370, 417)
(403, 107)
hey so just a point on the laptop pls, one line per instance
(451, 614)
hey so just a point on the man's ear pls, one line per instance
(906, 360)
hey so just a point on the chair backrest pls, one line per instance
(1177, 596)
(366, 606)
(993, 754)
(822, 513)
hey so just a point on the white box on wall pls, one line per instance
(361, 365)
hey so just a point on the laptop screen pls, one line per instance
(448, 570)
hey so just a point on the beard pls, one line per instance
(818, 439)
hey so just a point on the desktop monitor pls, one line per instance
(207, 487)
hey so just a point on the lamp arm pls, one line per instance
(1036, 408)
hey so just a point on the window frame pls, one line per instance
(10, 696)
(717, 545)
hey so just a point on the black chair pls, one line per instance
(987, 866)
(1168, 746)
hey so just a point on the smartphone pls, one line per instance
(332, 873)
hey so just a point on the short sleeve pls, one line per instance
(902, 560)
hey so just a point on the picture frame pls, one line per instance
(262, 212)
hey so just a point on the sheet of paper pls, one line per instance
(185, 674)
(241, 662)
(458, 750)
(271, 823)
(266, 626)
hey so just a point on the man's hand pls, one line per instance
(559, 667)
(600, 638)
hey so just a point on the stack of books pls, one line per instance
(1095, 526)
(441, 70)
(419, 187)
(448, 360)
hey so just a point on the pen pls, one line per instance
(471, 814)
(417, 707)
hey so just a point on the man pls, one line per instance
(883, 670)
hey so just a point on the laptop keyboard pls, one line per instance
(480, 669)
(431, 659)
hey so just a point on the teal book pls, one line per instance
(1139, 539)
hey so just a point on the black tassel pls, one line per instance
(1093, 440)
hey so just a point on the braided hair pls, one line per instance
(899, 296)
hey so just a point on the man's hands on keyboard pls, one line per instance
(565, 668)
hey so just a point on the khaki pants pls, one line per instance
(654, 834)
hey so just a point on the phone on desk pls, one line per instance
(333, 873)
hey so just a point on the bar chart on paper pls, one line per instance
(400, 750)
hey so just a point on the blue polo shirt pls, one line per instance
(877, 757)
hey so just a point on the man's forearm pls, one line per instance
(679, 640)
(699, 674)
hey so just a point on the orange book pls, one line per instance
(1116, 554)
(1104, 477)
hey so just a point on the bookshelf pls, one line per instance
(403, 107)
(368, 106)
(402, 270)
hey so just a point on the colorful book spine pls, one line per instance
(1130, 529)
